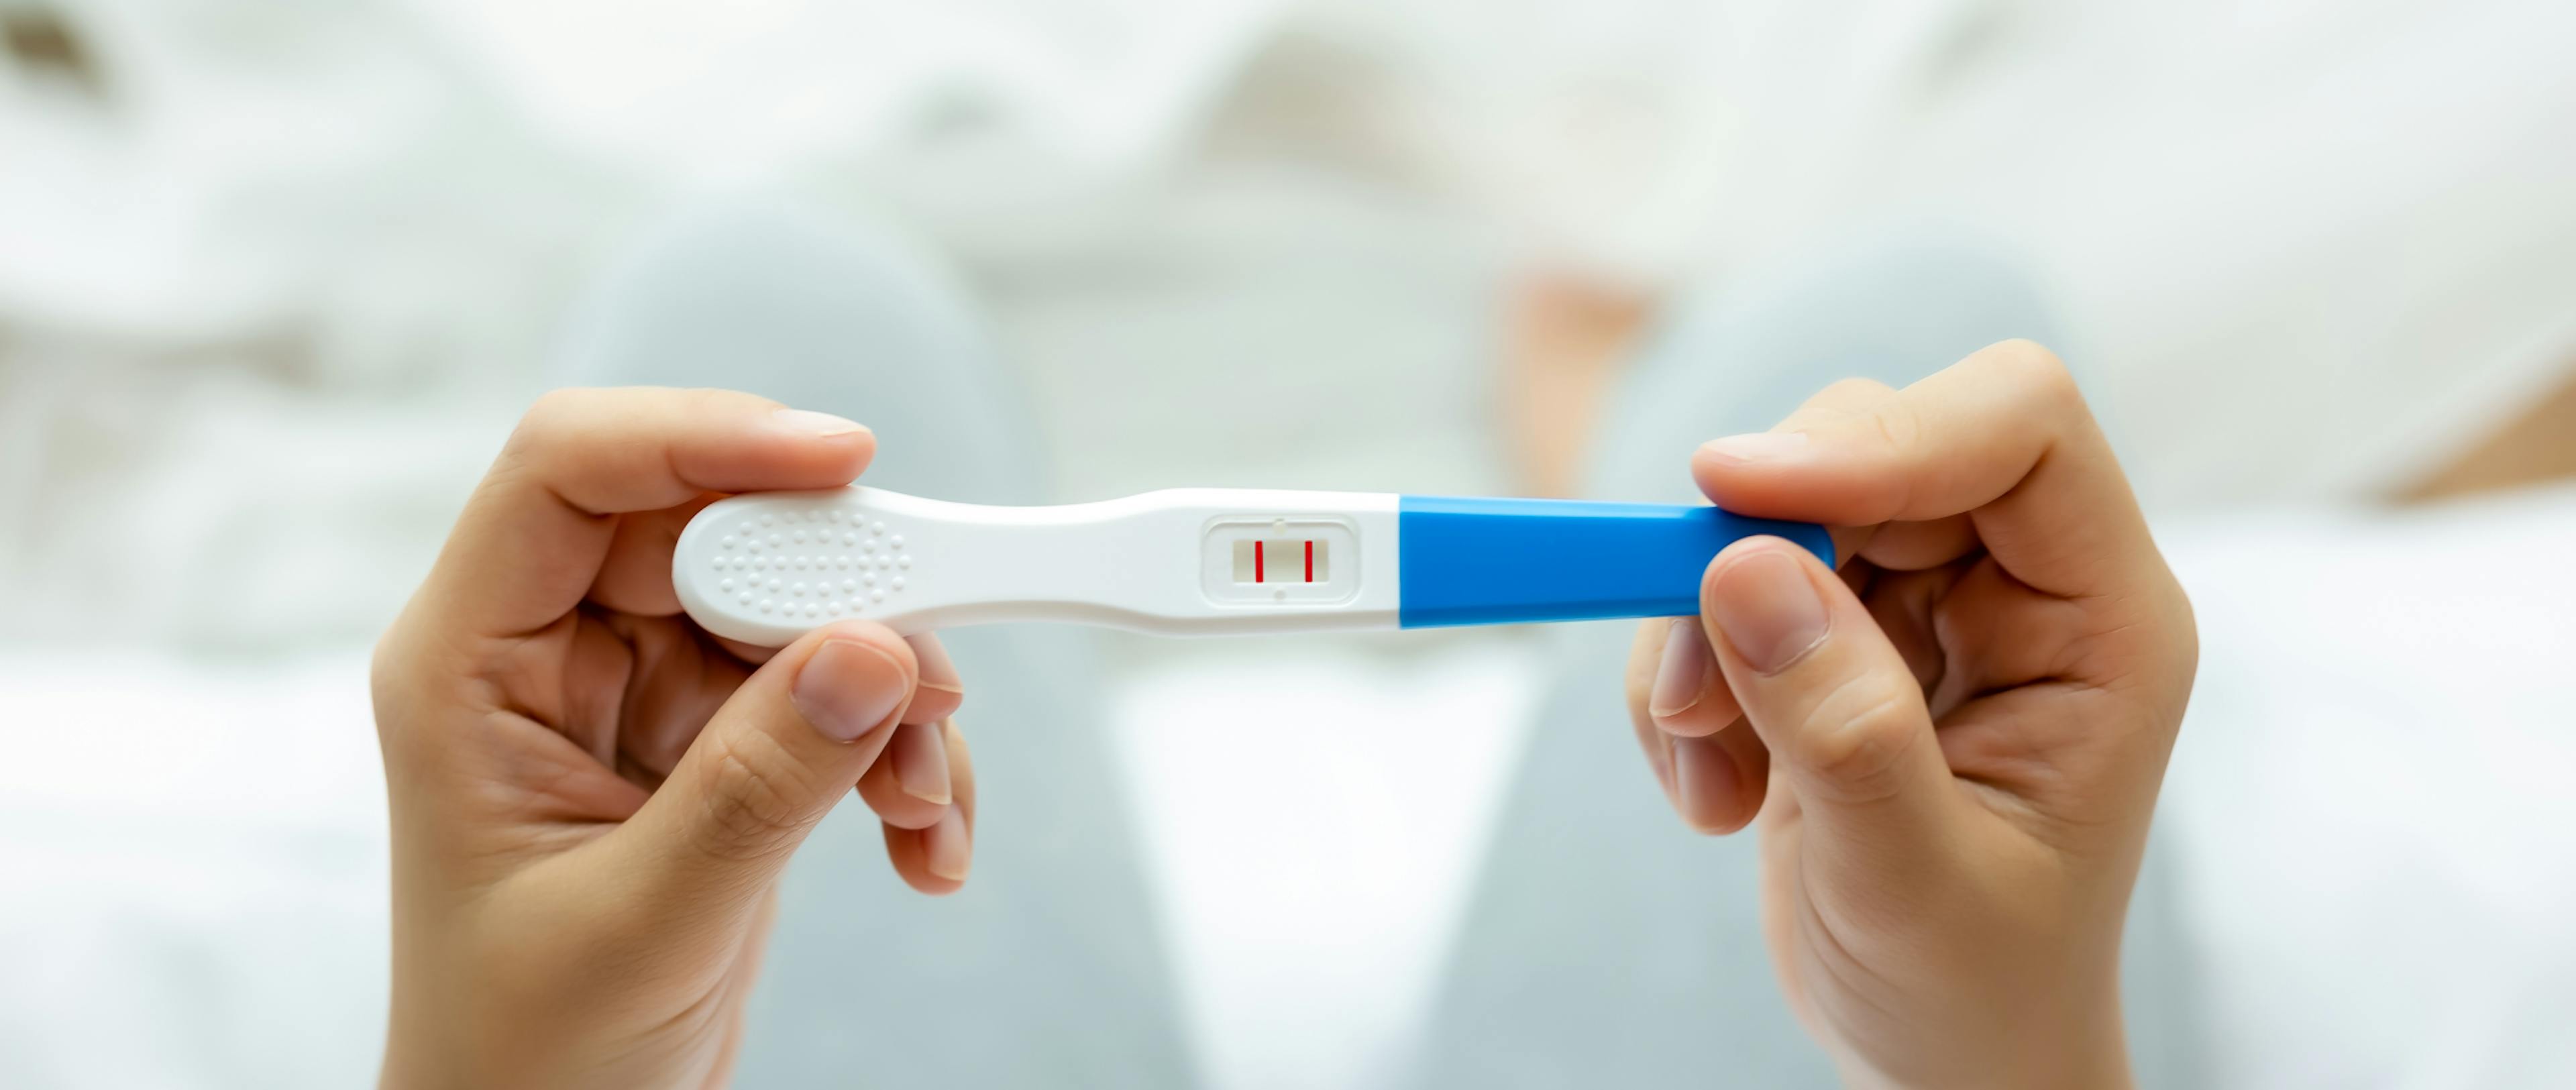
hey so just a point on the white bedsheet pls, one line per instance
(2372, 794)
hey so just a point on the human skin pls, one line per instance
(1953, 745)
(592, 800)
(2536, 444)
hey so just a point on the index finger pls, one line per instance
(2003, 437)
(534, 534)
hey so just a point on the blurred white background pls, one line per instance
(276, 276)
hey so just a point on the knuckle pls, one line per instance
(2037, 371)
(386, 659)
(713, 399)
(2186, 647)
(1855, 740)
(1851, 391)
(1839, 402)
(2028, 354)
(410, 675)
(537, 427)
(547, 411)
(389, 676)
(1896, 425)
(750, 795)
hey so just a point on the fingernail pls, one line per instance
(809, 422)
(1767, 610)
(936, 671)
(1684, 671)
(848, 688)
(1702, 773)
(920, 759)
(946, 847)
(1756, 446)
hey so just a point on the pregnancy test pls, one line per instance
(766, 567)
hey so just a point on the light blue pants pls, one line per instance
(1604, 945)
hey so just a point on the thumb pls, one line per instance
(789, 744)
(1835, 704)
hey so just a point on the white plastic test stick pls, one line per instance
(765, 568)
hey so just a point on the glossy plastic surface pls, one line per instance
(767, 567)
(1497, 561)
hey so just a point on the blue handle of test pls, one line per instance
(1499, 561)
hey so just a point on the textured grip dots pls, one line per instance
(813, 560)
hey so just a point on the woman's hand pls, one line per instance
(592, 799)
(1954, 746)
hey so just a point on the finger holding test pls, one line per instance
(769, 765)
(635, 577)
(1676, 692)
(538, 530)
(912, 783)
(1835, 703)
(1840, 399)
(1686, 697)
(935, 860)
(1713, 770)
(2002, 436)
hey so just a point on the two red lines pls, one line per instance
(1259, 570)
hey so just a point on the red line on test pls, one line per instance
(1310, 561)
(1256, 561)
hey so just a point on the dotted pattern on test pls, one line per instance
(817, 564)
